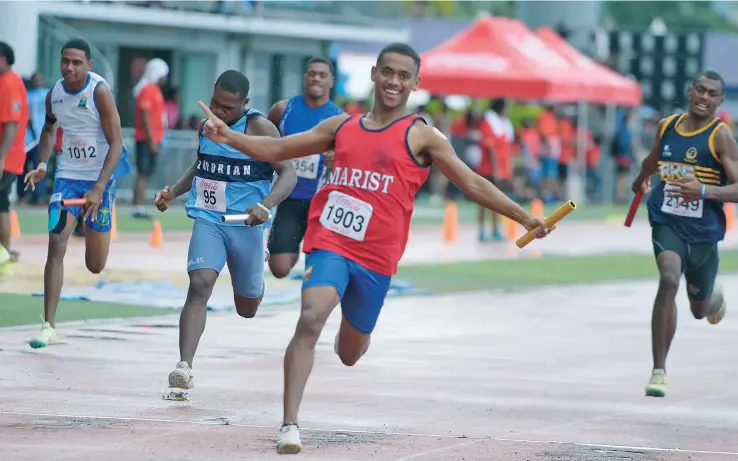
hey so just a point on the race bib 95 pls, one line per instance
(211, 194)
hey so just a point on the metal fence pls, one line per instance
(178, 153)
(345, 12)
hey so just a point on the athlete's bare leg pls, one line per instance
(139, 189)
(317, 305)
(495, 224)
(194, 313)
(351, 344)
(704, 307)
(54, 269)
(97, 249)
(5, 230)
(282, 263)
(664, 318)
(245, 307)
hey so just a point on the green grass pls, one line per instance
(425, 213)
(33, 220)
(441, 278)
(521, 273)
(24, 309)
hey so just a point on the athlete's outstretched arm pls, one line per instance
(260, 126)
(268, 149)
(426, 139)
(110, 121)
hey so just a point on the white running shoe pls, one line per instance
(181, 377)
(6, 269)
(718, 307)
(4, 255)
(47, 336)
(289, 442)
(5, 260)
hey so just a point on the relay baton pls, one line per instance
(633, 209)
(74, 202)
(634, 206)
(231, 218)
(550, 221)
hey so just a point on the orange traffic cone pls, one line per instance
(15, 230)
(729, 209)
(536, 208)
(157, 236)
(451, 223)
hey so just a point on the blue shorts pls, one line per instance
(549, 168)
(242, 247)
(362, 291)
(67, 189)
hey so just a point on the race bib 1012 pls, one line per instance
(80, 150)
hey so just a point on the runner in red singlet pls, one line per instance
(359, 221)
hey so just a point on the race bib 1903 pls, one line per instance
(346, 215)
(211, 194)
(677, 206)
(307, 167)
(80, 150)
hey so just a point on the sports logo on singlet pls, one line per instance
(691, 155)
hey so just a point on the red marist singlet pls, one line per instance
(363, 211)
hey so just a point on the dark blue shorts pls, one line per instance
(66, 189)
(362, 291)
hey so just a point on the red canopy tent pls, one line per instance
(502, 57)
(612, 88)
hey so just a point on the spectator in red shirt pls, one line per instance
(498, 136)
(149, 127)
(568, 134)
(13, 126)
